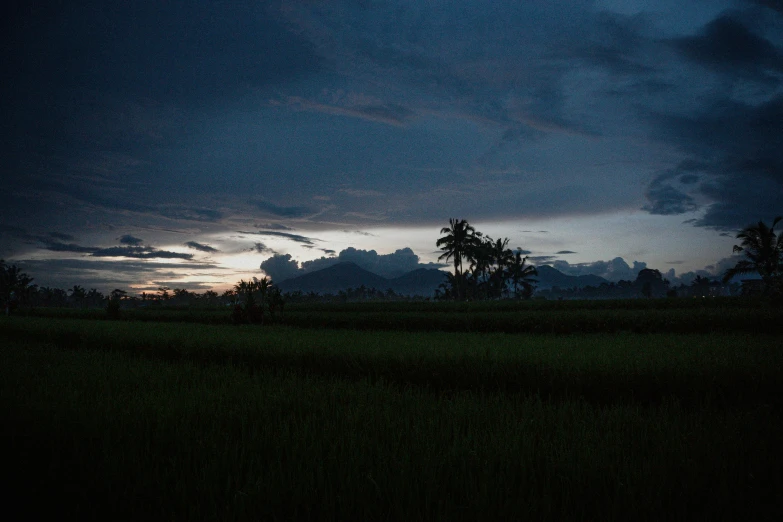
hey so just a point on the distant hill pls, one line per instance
(342, 276)
(422, 281)
(549, 276)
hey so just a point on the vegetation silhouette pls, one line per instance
(254, 293)
(15, 286)
(763, 250)
(495, 271)
(458, 243)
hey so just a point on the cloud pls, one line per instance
(390, 113)
(263, 249)
(201, 247)
(564, 252)
(541, 260)
(737, 153)
(282, 266)
(286, 235)
(727, 45)
(615, 270)
(714, 271)
(273, 226)
(192, 214)
(57, 246)
(776, 5)
(278, 211)
(666, 200)
(128, 239)
(60, 236)
(138, 252)
(106, 274)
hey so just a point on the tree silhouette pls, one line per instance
(15, 285)
(763, 250)
(79, 296)
(500, 260)
(652, 282)
(456, 244)
(522, 275)
(492, 265)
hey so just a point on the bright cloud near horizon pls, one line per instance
(185, 143)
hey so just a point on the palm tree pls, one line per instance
(479, 254)
(456, 245)
(764, 252)
(521, 275)
(501, 257)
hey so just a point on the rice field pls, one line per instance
(128, 420)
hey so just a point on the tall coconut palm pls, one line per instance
(763, 250)
(522, 275)
(456, 245)
(501, 258)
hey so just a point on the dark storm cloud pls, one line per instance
(263, 249)
(175, 52)
(200, 247)
(476, 59)
(43, 266)
(279, 211)
(60, 236)
(57, 246)
(666, 200)
(138, 252)
(128, 239)
(729, 46)
(776, 5)
(293, 237)
(102, 90)
(738, 151)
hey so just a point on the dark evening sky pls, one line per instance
(185, 142)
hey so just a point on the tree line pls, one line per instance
(485, 268)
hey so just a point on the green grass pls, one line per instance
(713, 315)
(725, 368)
(126, 420)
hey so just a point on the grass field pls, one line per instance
(128, 420)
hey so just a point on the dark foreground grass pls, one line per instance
(222, 423)
(714, 315)
(644, 369)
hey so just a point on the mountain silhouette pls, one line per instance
(549, 277)
(345, 275)
(422, 281)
